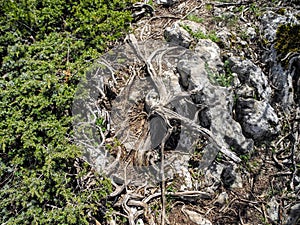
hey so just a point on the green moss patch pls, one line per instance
(287, 41)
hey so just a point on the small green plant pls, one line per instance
(254, 8)
(226, 79)
(242, 33)
(121, 219)
(116, 143)
(155, 207)
(219, 157)
(200, 35)
(223, 79)
(195, 18)
(100, 124)
(229, 19)
(150, 2)
(239, 8)
(245, 157)
(171, 188)
(213, 36)
(197, 175)
(208, 7)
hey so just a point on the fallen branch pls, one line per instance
(226, 4)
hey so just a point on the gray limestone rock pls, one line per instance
(230, 177)
(225, 35)
(294, 215)
(166, 2)
(258, 119)
(178, 35)
(210, 53)
(251, 75)
(273, 209)
(197, 218)
(271, 20)
(182, 90)
(281, 78)
(218, 100)
(213, 176)
(226, 175)
(245, 91)
(222, 199)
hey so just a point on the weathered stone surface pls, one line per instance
(251, 75)
(213, 176)
(230, 38)
(245, 91)
(281, 78)
(210, 53)
(225, 35)
(217, 116)
(166, 2)
(230, 177)
(196, 217)
(178, 35)
(271, 20)
(222, 199)
(180, 163)
(294, 215)
(273, 209)
(227, 175)
(258, 119)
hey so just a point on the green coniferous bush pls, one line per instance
(45, 47)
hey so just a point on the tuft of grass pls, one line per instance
(209, 7)
(223, 79)
(151, 3)
(195, 18)
(200, 35)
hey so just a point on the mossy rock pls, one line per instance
(287, 41)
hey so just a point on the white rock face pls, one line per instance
(210, 53)
(281, 78)
(273, 209)
(271, 20)
(196, 217)
(225, 35)
(257, 118)
(251, 75)
(222, 199)
(178, 35)
(166, 2)
(217, 116)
